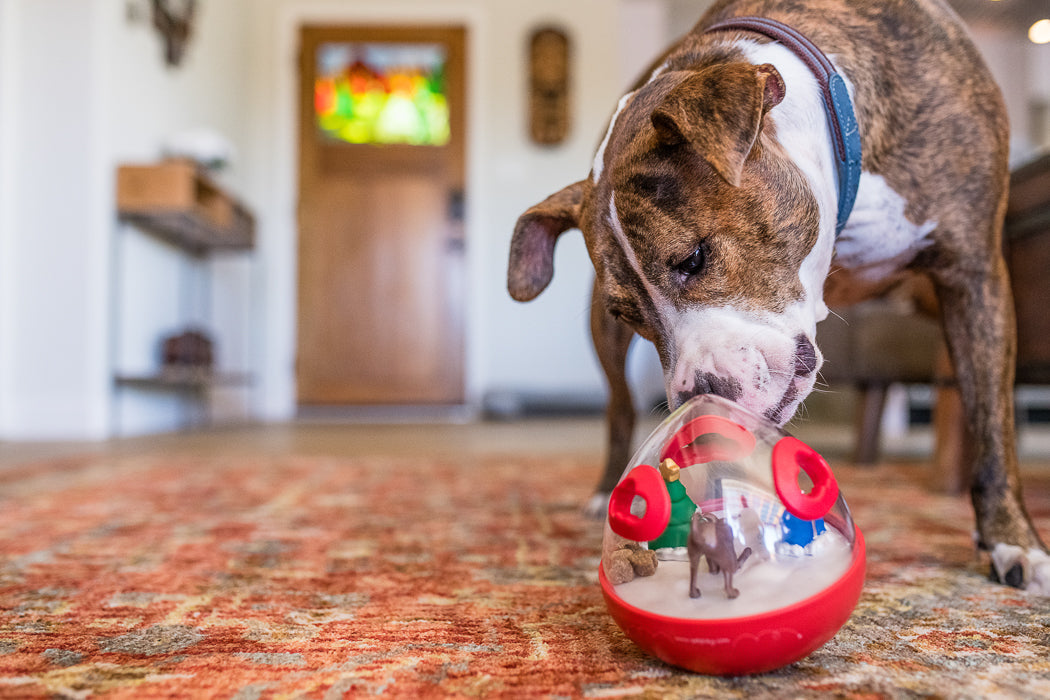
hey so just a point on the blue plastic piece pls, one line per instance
(801, 532)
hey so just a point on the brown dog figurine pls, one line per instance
(712, 538)
(730, 184)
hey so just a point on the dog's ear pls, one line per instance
(719, 110)
(532, 247)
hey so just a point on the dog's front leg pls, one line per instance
(977, 307)
(612, 339)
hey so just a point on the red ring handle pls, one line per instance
(683, 448)
(790, 456)
(645, 482)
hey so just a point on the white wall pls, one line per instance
(54, 242)
(83, 89)
(7, 267)
(543, 347)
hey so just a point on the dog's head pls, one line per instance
(700, 228)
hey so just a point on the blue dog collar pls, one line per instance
(845, 134)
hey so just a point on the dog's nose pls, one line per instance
(710, 383)
(805, 356)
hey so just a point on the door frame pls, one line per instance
(334, 164)
(280, 288)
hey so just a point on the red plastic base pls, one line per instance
(744, 645)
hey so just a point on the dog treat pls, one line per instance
(629, 561)
(643, 561)
(618, 568)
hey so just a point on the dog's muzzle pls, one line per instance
(805, 363)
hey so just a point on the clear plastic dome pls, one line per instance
(723, 531)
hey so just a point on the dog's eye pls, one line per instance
(693, 264)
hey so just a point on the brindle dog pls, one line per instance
(710, 218)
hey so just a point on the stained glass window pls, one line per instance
(382, 93)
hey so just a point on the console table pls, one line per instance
(175, 201)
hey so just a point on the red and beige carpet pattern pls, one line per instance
(309, 577)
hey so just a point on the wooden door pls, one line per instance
(380, 215)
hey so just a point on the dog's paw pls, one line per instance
(1022, 568)
(596, 506)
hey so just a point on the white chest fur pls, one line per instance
(879, 238)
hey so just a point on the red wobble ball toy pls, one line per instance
(729, 549)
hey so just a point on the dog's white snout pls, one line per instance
(764, 366)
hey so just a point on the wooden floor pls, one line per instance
(574, 436)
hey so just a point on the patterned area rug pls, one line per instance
(325, 578)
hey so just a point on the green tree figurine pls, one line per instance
(682, 508)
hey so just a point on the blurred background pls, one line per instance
(220, 212)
